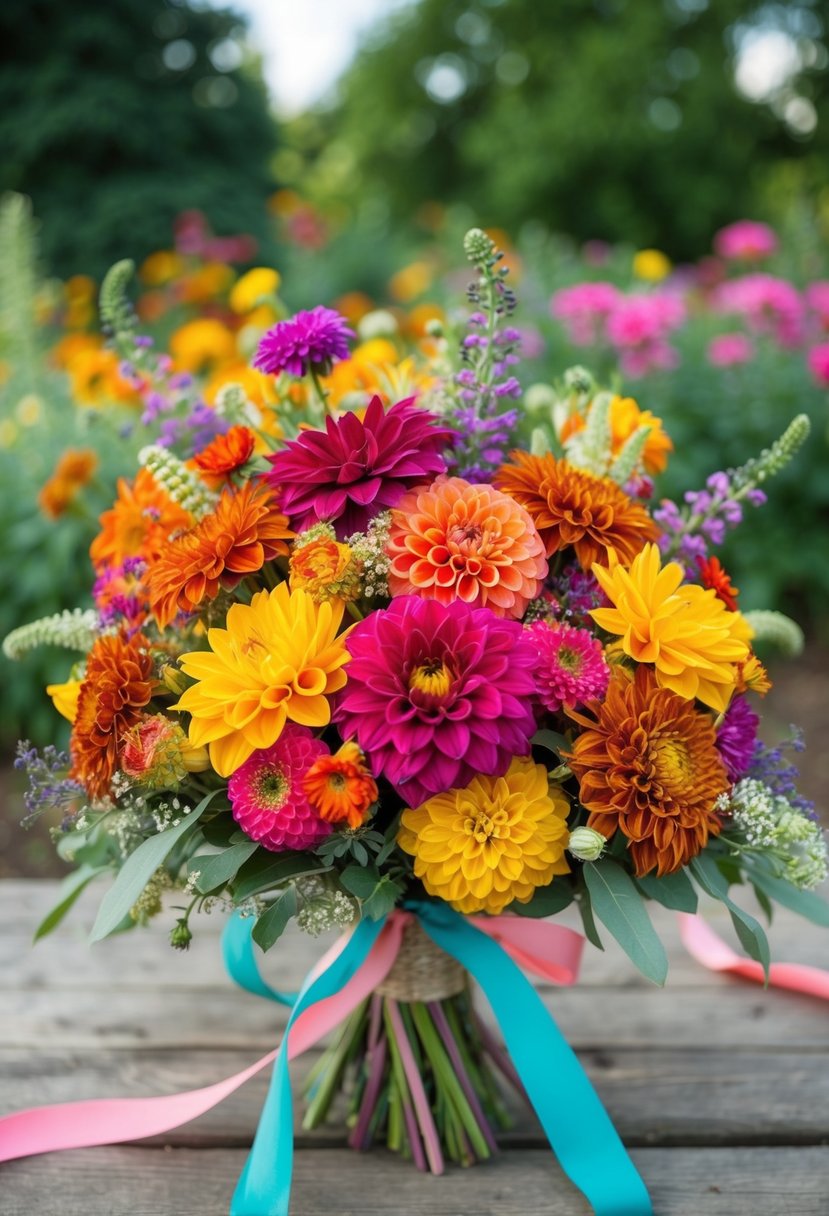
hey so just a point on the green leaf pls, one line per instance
(137, 871)
(551, 740)
(263, 871)
(805, 903)
(675, 891)
(546, 901)
(619, 906)
(220, 831)
(382, 899)
(750, 932)
(271, 924)
(360, 880)
(71, 888)
(588, 920)
(216, 869)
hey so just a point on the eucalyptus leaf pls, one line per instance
(220, 831)
(749, 930)
(216, 869)
(805, 903)
(138, 869)
(71, 888)
(263, 871)
(381, 900)
(271, 924)
(551, 740)
(675, 891)
(588, 920)
(360, 880)
(620, 907)
(546, 901)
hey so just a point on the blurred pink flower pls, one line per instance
(729, 350)
(584, 308)
(745, 241)
(819, 364)
(817, 298)
(639, 326)
(768, 304)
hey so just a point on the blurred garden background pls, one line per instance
(657, 175)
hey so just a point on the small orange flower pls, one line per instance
(648, 766)
(715, 578)
(326, 569)
(570, 506)
(340, 787)
(72, 472)
(116, 687)
(454, 540)
(139, 523)
(244, 531)
(226, 453)
(752, 677)
(96, 378)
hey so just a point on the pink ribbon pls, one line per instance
(703, 944)
(549, 950)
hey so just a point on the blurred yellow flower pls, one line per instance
(29, 410)
(411, 281)
(417, 321)
(65, 698)
(161, 267)
(8, 432)
(96, 379)
(651, 265)
(254, 287)
(625, 418)
(70, 345)
(202, 345)
(353, 305)
(206, 283)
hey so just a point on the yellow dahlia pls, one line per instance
(495, 841)
(694, 642)
(279, 659)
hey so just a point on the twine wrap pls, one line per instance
(422, 971)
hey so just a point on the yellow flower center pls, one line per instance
(672, 762)
(485, 826)
(432, 677)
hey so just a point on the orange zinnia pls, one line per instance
(73, 470)
(139, 522)
(647, 764)
(244, 531)
(717, 579)
(116, 687)
(570, 506)
(453, 540)
(226, 453)
(340, 787)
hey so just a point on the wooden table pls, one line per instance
(720, 1089)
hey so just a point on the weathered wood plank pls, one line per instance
(655, 1097)
(146, 1182)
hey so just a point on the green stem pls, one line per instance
(445, 1076)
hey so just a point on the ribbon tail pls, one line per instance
(240, 961)
(704, 945)
(576, 1124)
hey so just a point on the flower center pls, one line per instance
(672, 762)
(432, 677)
(485, 827)
(569, 660)
(337, 782)
(465, 536)
(271, 788)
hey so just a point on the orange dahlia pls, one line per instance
(226, 453)
(647, 764)
(243, 531)
(453, 540)
(139, 523)
(340, 787)
(715, 577)
(116, 687)
(570, 506)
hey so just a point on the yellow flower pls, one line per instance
(496, 841)
(279, 659)
(690, 636)
(253, 287)
(160, 267)
(411, 281)
(626, 417)
(65, 698)
(651, 265)
(325, 568)
(202, 345)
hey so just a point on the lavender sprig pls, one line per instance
(49, 786)
(772, 766)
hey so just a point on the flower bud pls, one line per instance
(180, 935)
(174, 680)
(539, 397)
(586, 844)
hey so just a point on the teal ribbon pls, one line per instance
(576, 1124)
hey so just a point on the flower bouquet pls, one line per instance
(427, 668)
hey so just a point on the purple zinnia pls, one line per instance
(736, 737)
(356, 468)
(308, 341)
(438, 693)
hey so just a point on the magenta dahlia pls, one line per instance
(310, 340)
(570, 666)
(736, 737)
(437, 693)
(267, 796)
(357, 468)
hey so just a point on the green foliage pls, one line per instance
(711, 879)
(600, 120)
(117, 117)
(271, 924)
(621, 908)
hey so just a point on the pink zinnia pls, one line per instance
(769, 305)
(308, 341)
(570, 668)
(745, 240)
(819, 364)
(267, 795)
(355, 468)
(817, 297)
(729, 350)
(584, 308)
(438, 693)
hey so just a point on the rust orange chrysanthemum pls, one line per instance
(340, 787)
(116, 687)
(226, 453)
(453, 540)
(243, 531)
(570, 506)
(648, 765)
(139, 523)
